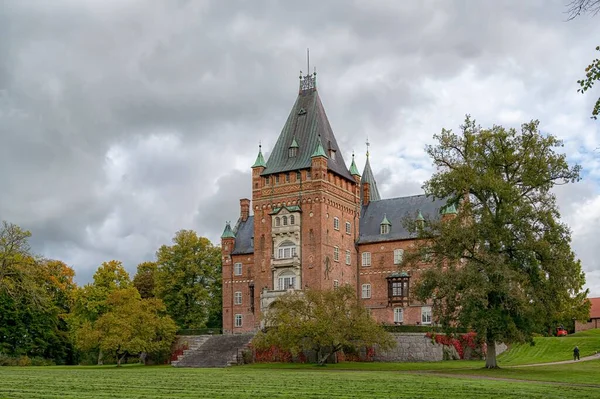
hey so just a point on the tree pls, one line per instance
(592, 71)
(323, 321)
(503, 266)
(188, 279)
(145, 279)
(592, 75)
(131, 325)
(578, 7)
(91, 301)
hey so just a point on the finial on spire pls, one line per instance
(308, 81)
(368, 144)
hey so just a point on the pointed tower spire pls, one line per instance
(369, 178)
(228, 233)
(353, 168)
(319, 151)
(260, 160)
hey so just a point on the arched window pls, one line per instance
(286, 250)
(287, 280)
(291, 219)
(277, 221)
(284, 220)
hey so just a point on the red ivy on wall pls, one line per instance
(460, 343)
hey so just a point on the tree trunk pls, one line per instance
(143, 356)
(490, 358)
(100, 362)
(120, 358)
(322, 357)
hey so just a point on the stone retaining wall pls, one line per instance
(416, 347)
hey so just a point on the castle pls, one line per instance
(317, 224)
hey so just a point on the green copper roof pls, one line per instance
(294, 144)
(260, 160)
(292, 208)
(319, 152)
(353, 168)
(449, 210)
(367, 177)
(385, 220)
(307, 125)
(420, 216)
(227, 233)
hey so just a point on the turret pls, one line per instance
(319, 162)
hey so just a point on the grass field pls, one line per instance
(444, 380)
(552, 349)
(447, 380)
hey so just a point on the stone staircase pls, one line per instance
(213, 351)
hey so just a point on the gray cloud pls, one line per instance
(122, 122)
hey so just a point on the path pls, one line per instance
(583, 359)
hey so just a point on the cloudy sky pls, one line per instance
(123, 121)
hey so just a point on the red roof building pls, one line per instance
(594, 320)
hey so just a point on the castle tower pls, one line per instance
(306, 205)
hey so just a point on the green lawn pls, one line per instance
(552, 349)
(407, 380)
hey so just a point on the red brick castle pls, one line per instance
(314, 223)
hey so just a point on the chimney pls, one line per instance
(244, 209)
(366, 187)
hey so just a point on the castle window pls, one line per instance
(287, 177)
(426, 315)
(266, 181)
(277, 222)
(291, 219)
(336, 284)
(284, 220)
(332, 154)
(286, 250)
(238, 320)
(308, 177)
(398, 288)
(366, 259)
(348, 228)
(287, 281)
(237, 298)
(366, 291)
(385, 229)
(336, 223)
(298, 176)
(292, 152)
(336, 254)
(348, 257)
(237, 269)
(398, 316)
(276, 179)
(398, 256)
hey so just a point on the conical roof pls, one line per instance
(367, 177)
(228, 233)
(353, 168)
(260, 160)
(308, 126)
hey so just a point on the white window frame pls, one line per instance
(336, 284)
(366, 259)
(366, 291)
(398, 315)
(398, 256)
(348, 257)
(384, 229)
(336, 254)
(237, 269)
(348, 228)
(237, 298)
(284, 282)
(426, 315)
(286, 251)
(336, 223)
(238, 320)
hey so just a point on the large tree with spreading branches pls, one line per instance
(503, 266)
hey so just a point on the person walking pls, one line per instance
(576, 353)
